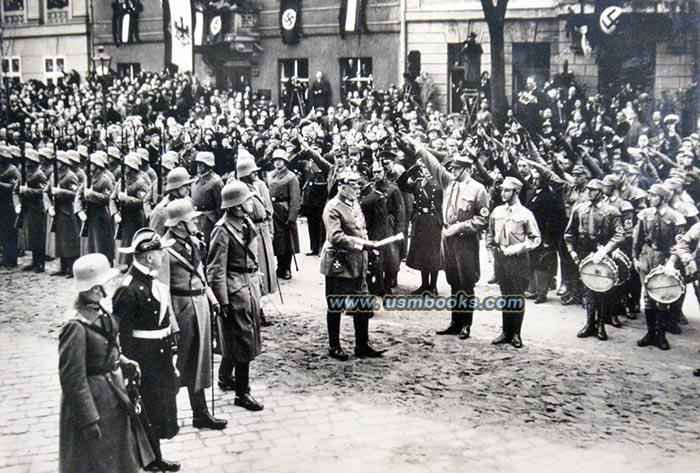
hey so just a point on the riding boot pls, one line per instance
(333, 322)
(661, 341)
(650, 337)
(600, 333)
(588, 329)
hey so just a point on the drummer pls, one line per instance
(657, 230)
(594, 230)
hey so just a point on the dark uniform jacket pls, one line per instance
(286, 202)
(592, 226)
(142, 308)
(34, 211)
(655, 235)
(67, 225)
(99, 216)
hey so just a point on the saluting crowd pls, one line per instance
(194, 194)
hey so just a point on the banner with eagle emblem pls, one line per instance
(181, 34)
(290, 21)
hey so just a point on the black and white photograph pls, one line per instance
(356, 236)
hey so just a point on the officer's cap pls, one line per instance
(145, 240)
(660, 190)
(462, 161)
(595, 184)
(349, 177)
(511, 183)
(580, 169)
(611, 181)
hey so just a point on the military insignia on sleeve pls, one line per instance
(628, 223)
(679, 237)
(618, 228)
(336, 265)
(484, 212)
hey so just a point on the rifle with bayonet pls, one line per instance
(54, 177)
(90, 133)
(19, 221)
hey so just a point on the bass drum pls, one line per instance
(598, 277)
(624, 266)
(662, 288)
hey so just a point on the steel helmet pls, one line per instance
(234, 193)
(180, 210)
(92, 270)
(177, 178)
(133, 161)
(245, 166)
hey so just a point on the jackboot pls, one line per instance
(650, 338)
(588, 329)
(600, 333)
(661, 341)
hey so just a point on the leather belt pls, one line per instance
(98, 372)
(242, 269)
(151, 334)
(187, 292)
(261, 220)
(425, 210)
(279, 199)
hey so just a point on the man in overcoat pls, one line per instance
(286, 202)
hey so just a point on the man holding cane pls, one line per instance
(191, 298)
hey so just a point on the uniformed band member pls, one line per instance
(344, 263)
(98, 431)
(33, 212)
(148, 334)
(191, 299)
(206, 193)
(286, 201)
(232, 270)
(465, 212)
(512, 233)
(594, 228)
(656, 232)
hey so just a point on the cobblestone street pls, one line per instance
(431, 404)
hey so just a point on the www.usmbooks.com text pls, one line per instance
(425, 302)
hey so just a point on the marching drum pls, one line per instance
(598, 277)
(624, 266)
(662, 288)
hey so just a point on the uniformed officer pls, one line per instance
(191, 299)
(9, 177)
(512, 233)
(396, 213)
(67, 223)
(344, 263)
(658, 229)
(206, 193)
(314, 197)
(34, 214)
(148, 335)
(285, 195)
(465, 211)
(232, 270)
(686, 251)
(131, 201)
(575, 194)
(595, 227)
(97, 209)
(426, 226)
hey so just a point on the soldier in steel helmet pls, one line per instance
(233, 272)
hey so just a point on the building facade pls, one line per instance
(43, 39)
(539, 41)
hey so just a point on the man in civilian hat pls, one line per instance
(286, 202)
(97, 431)
(191, 300)
(465, 212)
(232, 270)
(9, 177)
(658, 229)
(345, 265)
(97, 212)
(31, 195)
(595, 228)
(512, 233)
(178, 185)
(67, 223)
(206, 193)
(148, 334)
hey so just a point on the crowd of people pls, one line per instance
(194, 193)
